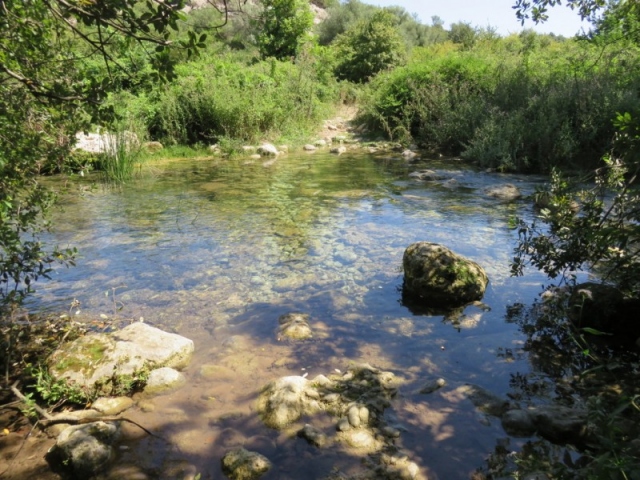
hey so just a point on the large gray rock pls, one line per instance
(83, 451)
(441, 278)
(94, 358)
(242, 464)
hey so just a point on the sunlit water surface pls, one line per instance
(217, 250)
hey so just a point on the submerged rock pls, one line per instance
(484, 400)
(112, 405)
(518, 423)
(284, 401)
(556, 423)
(313, 435)
(507, 192)
(433, 385)
(241, 464)
(427, 175)
(441, 278)
(294, 326)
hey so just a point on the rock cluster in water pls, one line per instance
(357, 400)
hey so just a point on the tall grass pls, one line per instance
(220, 98)
(120, 156)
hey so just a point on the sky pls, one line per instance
(482, 13)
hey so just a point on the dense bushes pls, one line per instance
(512, 104)
(221, 98)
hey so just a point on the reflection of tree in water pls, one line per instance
(569, 369)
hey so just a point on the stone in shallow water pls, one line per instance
(313, 435)
(433, 385)
(82, 451)
(164, 380)
(241, 464)
(438, 277)
(295, 326)
(113, 405)
(94, 358)
(518, 423)
(284, 401)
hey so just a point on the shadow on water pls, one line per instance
(219, 255)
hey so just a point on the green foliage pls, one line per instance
(463, 33)
(368, 48)
(537, 10)
(345, 15)
(525, 102)
(221, 98)
(341, 18)
(50, 88)
(282, 27)
(53, 391)
(605, 236)
(121, 155)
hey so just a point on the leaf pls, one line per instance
(593, 331)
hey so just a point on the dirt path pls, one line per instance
(340, 124)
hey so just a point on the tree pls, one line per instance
(369, 47)
(537, 10)
(46, 95)
(464, 34)
(341, 18)
(605, 235)
(283, 26)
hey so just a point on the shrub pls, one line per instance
(522, 103)
(369, 47)
(219, 98)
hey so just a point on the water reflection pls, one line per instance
(218, 249)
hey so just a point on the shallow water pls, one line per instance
(217, 250)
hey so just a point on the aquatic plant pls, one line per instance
(120, 156)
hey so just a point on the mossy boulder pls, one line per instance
(91, 361)
(439, 277)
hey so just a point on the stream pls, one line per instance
(217, 249)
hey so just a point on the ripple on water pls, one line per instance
(220, 255)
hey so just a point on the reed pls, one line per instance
(120, 156)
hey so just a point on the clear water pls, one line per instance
(217, 250)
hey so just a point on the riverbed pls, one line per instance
(217, 249)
